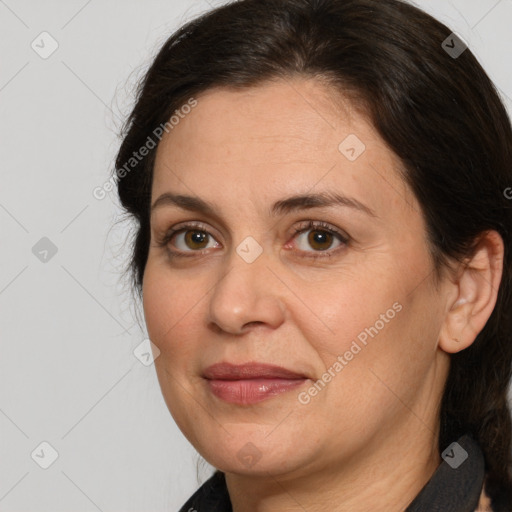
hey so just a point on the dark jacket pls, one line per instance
(457, 485)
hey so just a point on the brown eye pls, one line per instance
(320, 238)
(185, 240)
(195, 239)
(191, 240)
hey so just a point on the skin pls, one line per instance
(368, 440)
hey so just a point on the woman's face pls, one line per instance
(242, 286)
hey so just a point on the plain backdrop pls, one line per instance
(73, 395)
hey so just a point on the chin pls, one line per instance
(247, 455)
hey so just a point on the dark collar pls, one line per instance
(212, 496)
(457, 482)
(455, 485)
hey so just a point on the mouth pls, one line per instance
(250, 383)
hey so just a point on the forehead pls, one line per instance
(276, 139)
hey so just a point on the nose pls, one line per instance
(247, 294)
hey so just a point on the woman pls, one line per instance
(323, 249)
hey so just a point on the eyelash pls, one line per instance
(317, 225)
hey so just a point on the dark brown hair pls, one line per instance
(438, 112)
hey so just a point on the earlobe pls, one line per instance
(476, 294)
(454, 335)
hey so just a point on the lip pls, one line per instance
(252, 370)
(250, 383)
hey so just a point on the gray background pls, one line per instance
(69, 376)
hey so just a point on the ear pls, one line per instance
(475, 291)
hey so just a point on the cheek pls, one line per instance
(170, 306)
(377, 321)
(350, 307)
(156, 305)
(169, 314)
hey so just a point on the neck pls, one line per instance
(387, 477)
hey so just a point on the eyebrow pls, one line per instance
(289, 204)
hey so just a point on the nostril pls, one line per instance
(253, 323)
